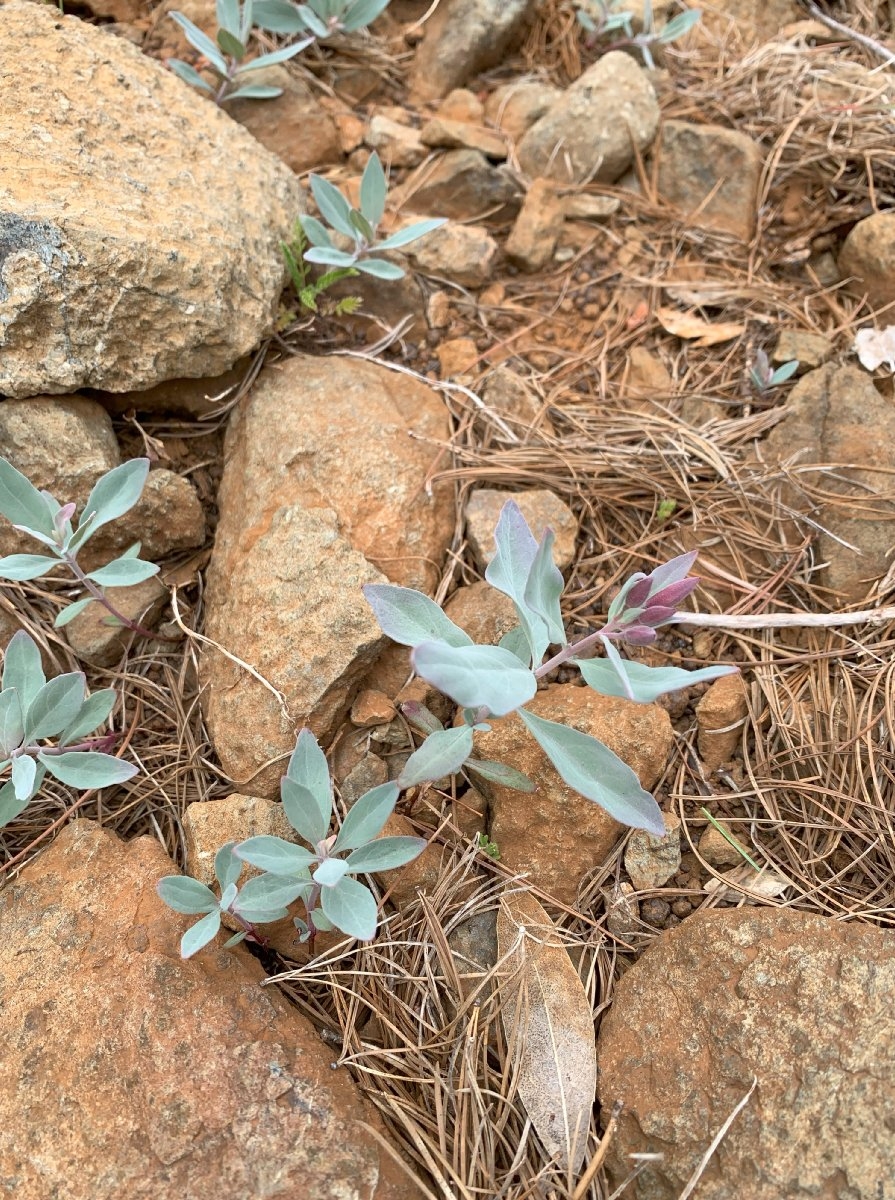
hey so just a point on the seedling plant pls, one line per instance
(764, 377)
(601, 19)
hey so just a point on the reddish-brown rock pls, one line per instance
(127, 1072)
(720, 716)
(712, 175)
(556, 834)
(798, 1002)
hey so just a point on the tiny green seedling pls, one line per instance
(226, 55)
(602, 18)
(322, 877)
(358, 225)
(488, 847)
(33, 711)
(311, 291)
(763, 376)
(320, 18)
(666, 510)
(42, 517)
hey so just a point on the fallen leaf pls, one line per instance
(689, 327)
(875, 347)
(549, 1027)
(742, 883)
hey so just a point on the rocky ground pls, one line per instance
(622, 245)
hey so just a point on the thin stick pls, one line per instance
(597, 1161)
(862, 39)
(867, 616)
(716, 1142)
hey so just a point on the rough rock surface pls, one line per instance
(592, 131)
(711, 174)
(720, 716)
(868, 254)
(541, 509)
(801, 1003)
(294, 126)
(507, 394)
(485, 613)
(555, 833)
(835, 415)
(651, 861)
(514, 107)
(131, 251)
(95, 641)
(462, 186)
(463, 37)
(464, 253)
(533, 238)
(188, 1079)
(323, 491)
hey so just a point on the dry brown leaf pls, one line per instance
(742, 883)
(688, 326)
(549, 1027)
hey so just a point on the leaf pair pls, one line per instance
(319, 17)
(33, 710)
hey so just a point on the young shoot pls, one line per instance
(602, 18)
(764, 377)
(42, 517)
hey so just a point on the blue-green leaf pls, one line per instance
(254, 91)
(313, 21)
(351, 907)
(308, 767)
(55, 706)
(10, 807)
(410, 233)
(593, 770)
(71, 611)
(379, 268)
(646, 683)
(384, 854)
(266, 894)
(22, 668)
(227, 867)
(275, 855)
(24, 770)
(21, 503)
(679, 25)
(123, 572)
(26, 566)
(373, 190)
(228, 16)
(230, 44)
(94, 711)
(329, 257)
(201, 42)
(275, 56)
(302, 811)
(500, 774)
(333, 206)
(362, 13)
(476, 676)
(517, 643)
(118, 490)
(410, 618)
(189, 74)
(618, 666)
(544, 587)
(367, 816)
(85, 769)
(315, 231)
(442, 753)
(11, 725)
(199, 935)
(330, 871)
(186, 895)
(510, 568)
(278, 16)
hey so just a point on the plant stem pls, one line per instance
(567, 652)
(97, 593)
(310, 905)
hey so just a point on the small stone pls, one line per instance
(533, 237)
(398, 145)
(654, 911)
(868, 255)
(293, 125)
(457, 357)
(483, 612)
(101, 644)
(438, 310)
(720, 716)
(651, 861)
(809, 350)
(711, 174)
(462, 39)
(514, 107)
(507, 394)
(469, 813)
(647, 375)
(681, 908)
(167, 518)
(462, 105)
(541, 508)
(582, 206)
(593, 130)
(210, 824)
(442, 133)
(717, 850)
(463, 253)
(369, 773)
(372, 708)
(463, 186)
(622, 910)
